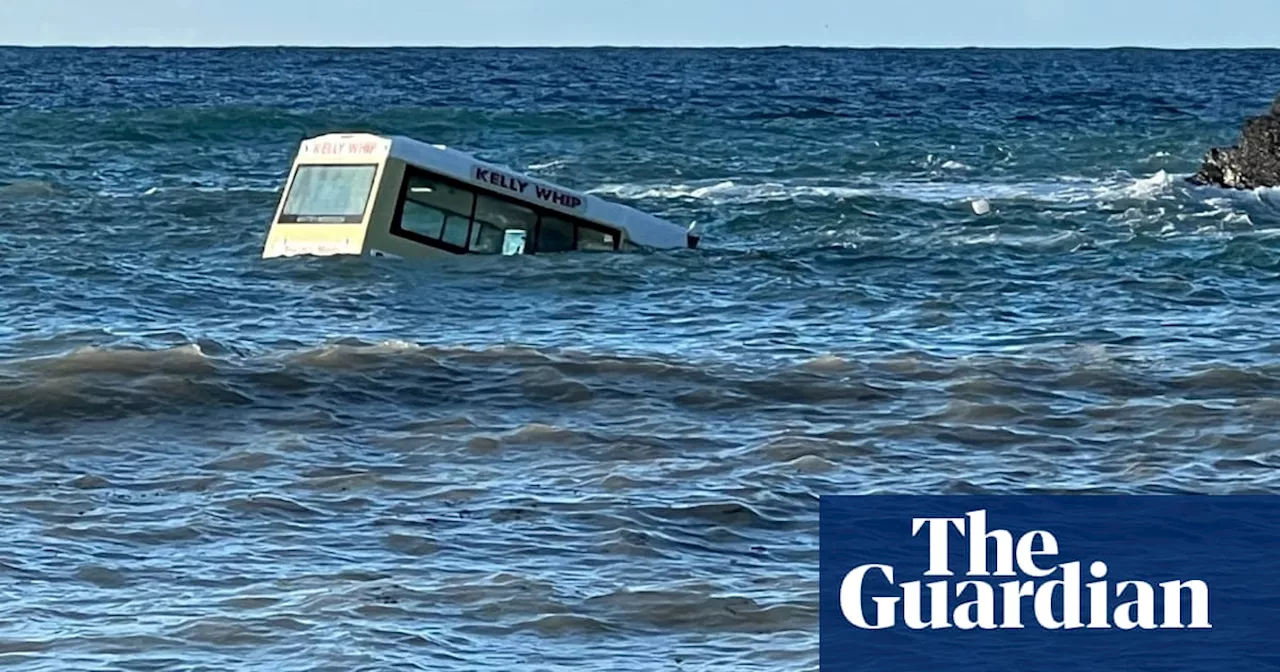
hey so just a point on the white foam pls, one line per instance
(1268, 195)
(728, 191)
(225, 189)
(1238, 218)
(1120, 188)
(1149, 187)
(557, 163)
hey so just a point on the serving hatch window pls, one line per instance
(329, 195)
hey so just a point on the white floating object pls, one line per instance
(981, 206)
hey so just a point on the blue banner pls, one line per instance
(1025, 584)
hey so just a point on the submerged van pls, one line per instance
(362, 194)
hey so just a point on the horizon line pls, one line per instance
(285, 45)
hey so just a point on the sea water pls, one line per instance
(921, 272)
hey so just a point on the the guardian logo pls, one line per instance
(1056, 592)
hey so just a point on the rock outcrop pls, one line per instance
(1254, 161)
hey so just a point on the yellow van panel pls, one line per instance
(290, 240)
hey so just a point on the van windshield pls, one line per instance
(329, 195)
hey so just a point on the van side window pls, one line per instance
(592, 239)
(441, 212)
(436, 210)
(485, 239)
(554, 235)
(503, 227)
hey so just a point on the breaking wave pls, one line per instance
(121, 382)
(1064, 190)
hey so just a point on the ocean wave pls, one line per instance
(807, 113)
(322, 384)
(161, 125)
(1146, 188)
(699, 608)
(179, 191)
(28, 189)
(88, 360)
(1062, 190)
(548, 165)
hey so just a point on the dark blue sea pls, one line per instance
(586, 461)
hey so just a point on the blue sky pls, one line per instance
(1163, 23)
